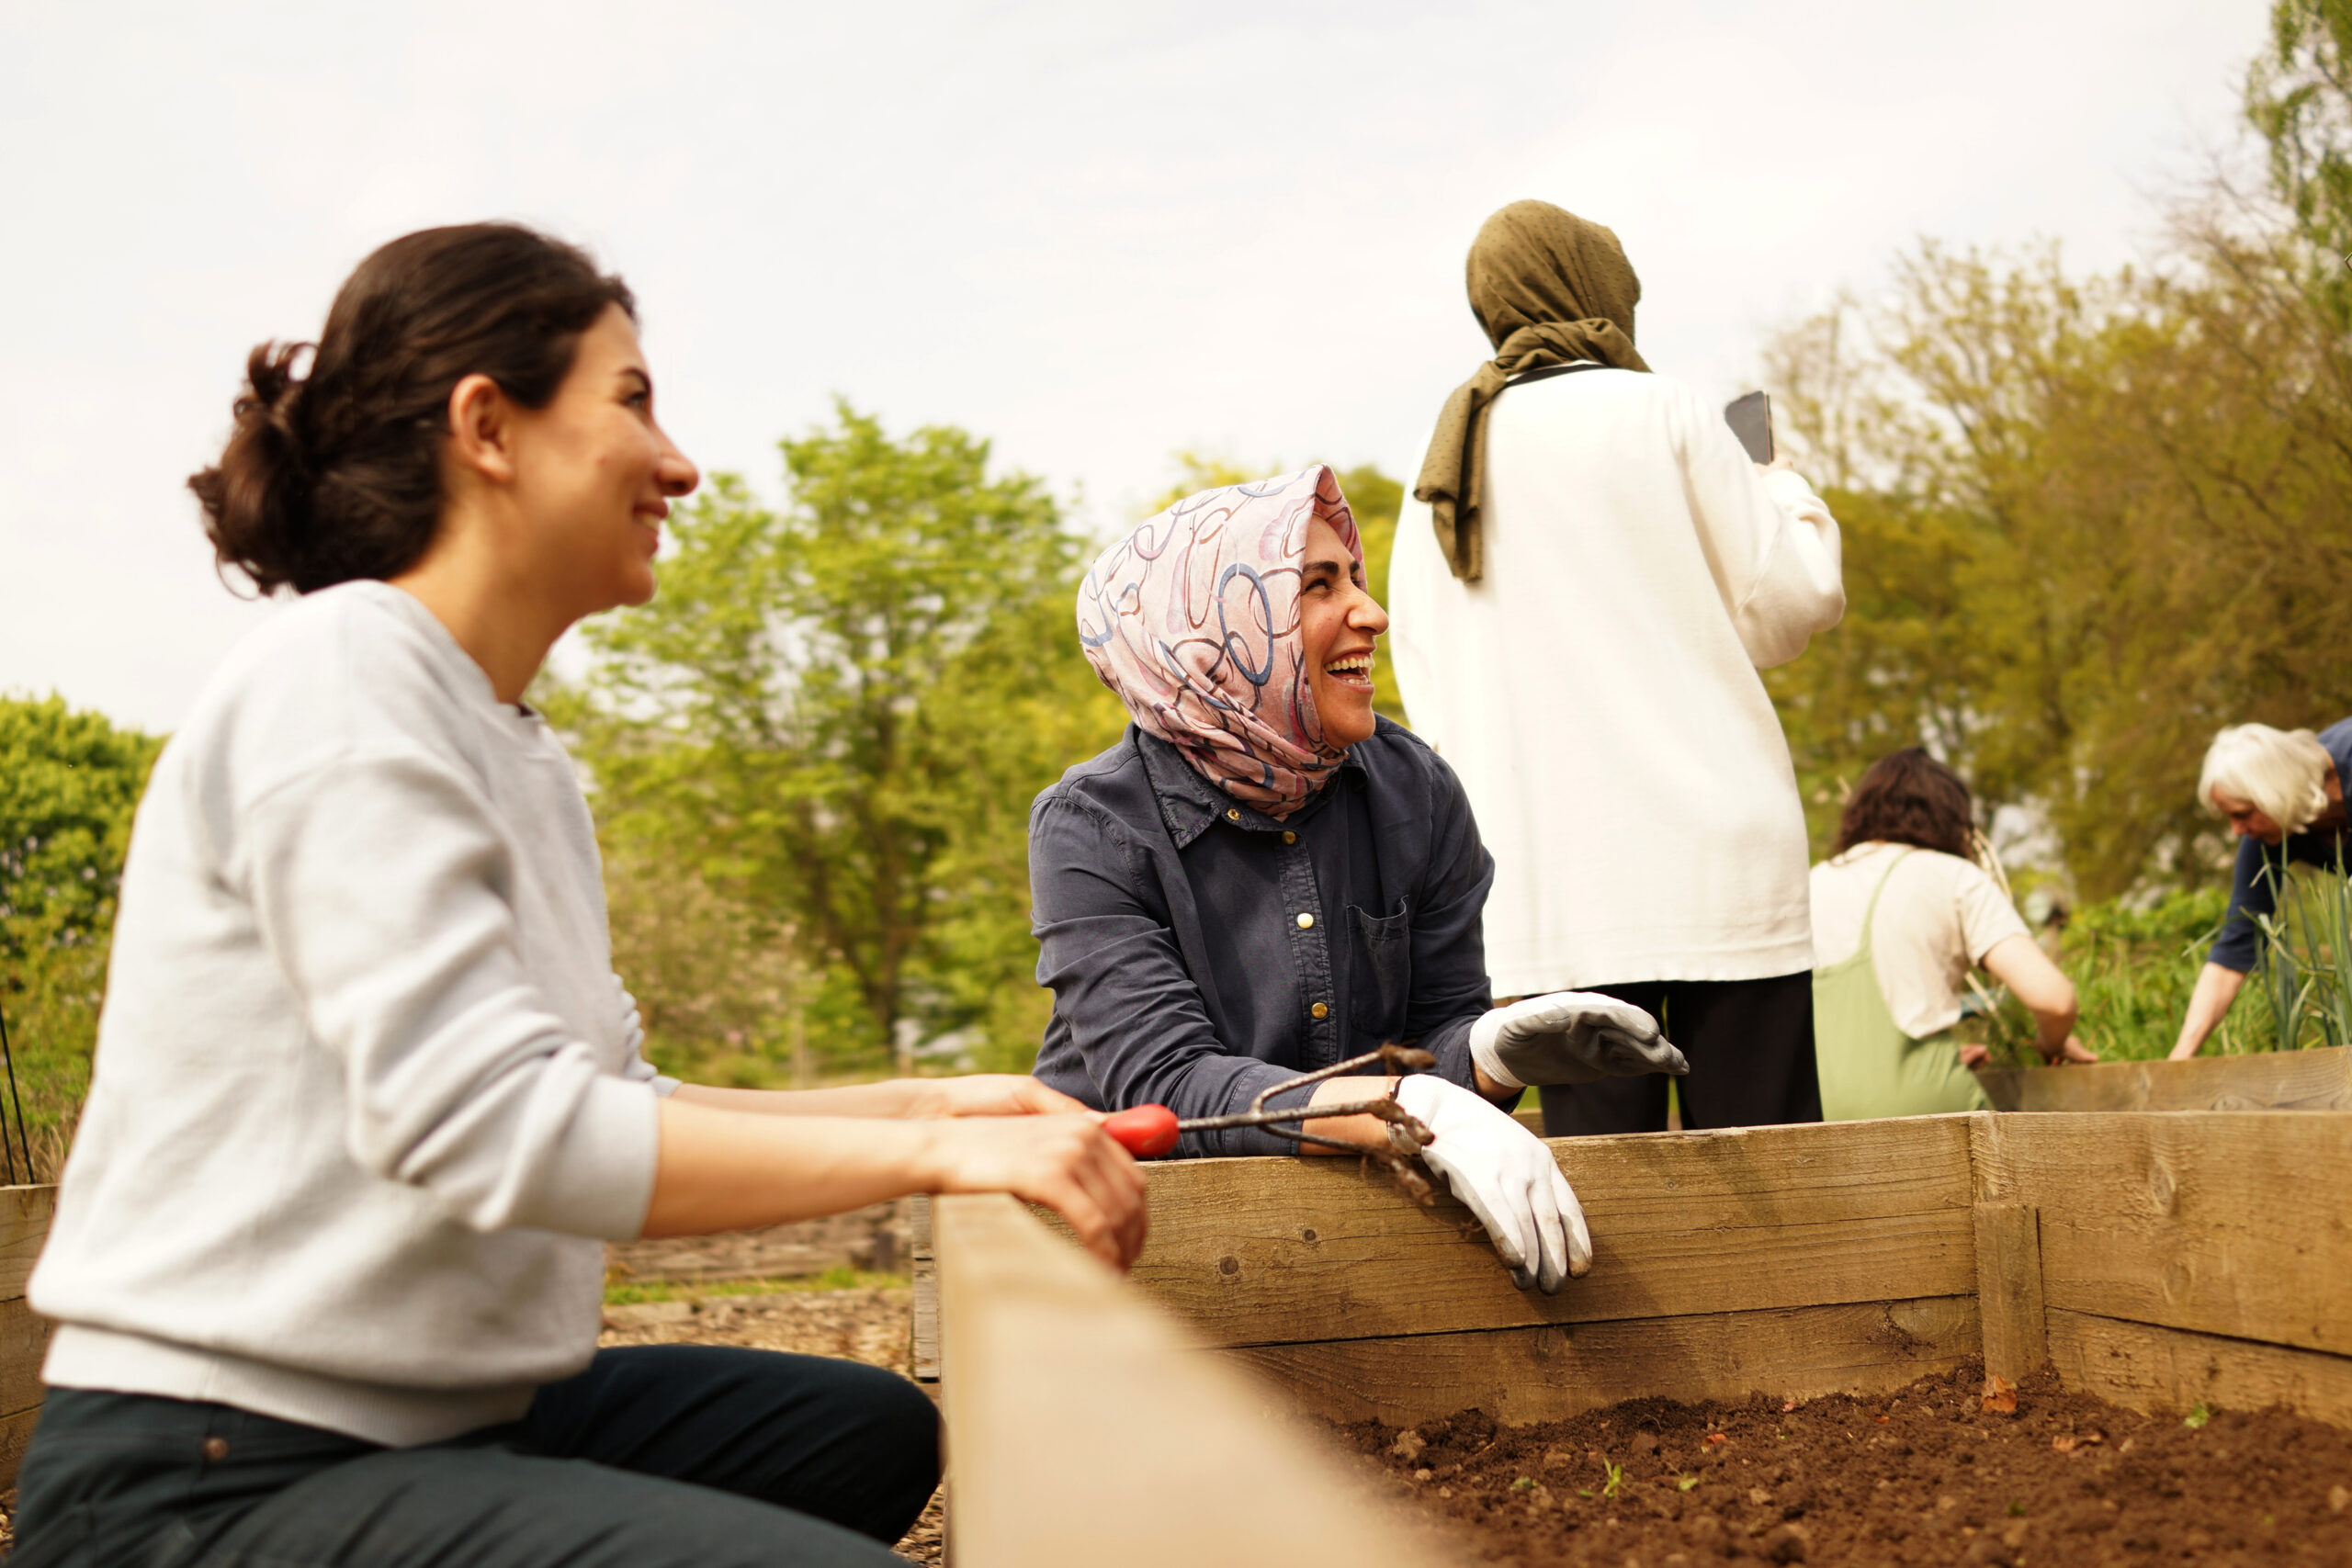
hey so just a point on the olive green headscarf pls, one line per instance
(1549, 288)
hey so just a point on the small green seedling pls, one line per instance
(1524, 1483)
(1684, 1484)
(1616, 1479)
(2016, 1508)
(2197, 1415)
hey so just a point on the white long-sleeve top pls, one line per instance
(1597, 689)
(364, 1107)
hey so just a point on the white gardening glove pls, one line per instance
(632, 1023)
(1506, 1176)
(1570, 1037)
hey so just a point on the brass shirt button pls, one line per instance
(216, 1448)
(1290, 837)
(1306, 922)
(1233, 815)
(1320, 1010)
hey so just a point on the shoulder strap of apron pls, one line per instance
(1870, 911)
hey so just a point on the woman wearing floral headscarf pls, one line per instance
(1262, 878)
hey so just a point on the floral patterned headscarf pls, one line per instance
(1193, 620)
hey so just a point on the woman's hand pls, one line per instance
(988, 1094)
(1067, 1163)
(1506, 1176)
(1975, 1056)
(2070, 1049)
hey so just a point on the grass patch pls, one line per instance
(635, 1292)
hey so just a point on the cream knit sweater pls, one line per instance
(364, 1109)
(1597, 689)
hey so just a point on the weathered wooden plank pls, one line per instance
(924, 1338)
(1082, 1429)
(24, 1344)
(16, 1436)
(1523, 1375)
(1280, 1250)
(2272, 1081)
(2142, 1367)
(2227, 1223)
(24, 1225)
(2008, 1288)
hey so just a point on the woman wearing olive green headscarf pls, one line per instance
(1586, 580)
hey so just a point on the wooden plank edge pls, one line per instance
(2159, 1371)
(24, 1215)
(16, 1437)
(1083, 1427)
(1263, 1251)
(1523, 1375)
(2272, 1080)
(2008, 1288)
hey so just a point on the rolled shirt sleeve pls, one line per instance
(381, 887)
(1770, 542)
(2253, 892)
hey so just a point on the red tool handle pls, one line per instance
(1144, 1131)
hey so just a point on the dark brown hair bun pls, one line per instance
(336, 474)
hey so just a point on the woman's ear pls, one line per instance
(481, 429)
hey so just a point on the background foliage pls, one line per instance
(69, 784)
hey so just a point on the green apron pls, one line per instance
(1868, 1067)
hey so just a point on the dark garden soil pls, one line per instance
(1929, 1475)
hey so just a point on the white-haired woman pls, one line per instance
(2281, 792)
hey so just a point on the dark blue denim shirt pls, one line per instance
(1199, 950)
(2262, 868)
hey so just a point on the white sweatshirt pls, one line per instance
(363, 1110)
(1597, 689)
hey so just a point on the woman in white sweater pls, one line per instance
(368, 1099)
(1587, 580)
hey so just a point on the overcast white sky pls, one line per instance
(1093, 232)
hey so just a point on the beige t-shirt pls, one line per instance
(1940, 915)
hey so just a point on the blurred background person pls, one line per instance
(1586, 580)
(2282, 791)
(1900, 914)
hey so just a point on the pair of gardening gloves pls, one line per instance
(1504, 1174)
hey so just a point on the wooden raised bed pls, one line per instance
(2272, 1080)
(2157, 1259)
(24, 1338)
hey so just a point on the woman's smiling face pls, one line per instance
(1337, 623)
(596, 473)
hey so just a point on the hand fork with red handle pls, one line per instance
(1148, 1131)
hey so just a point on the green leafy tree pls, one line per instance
(834, 717)
(69, 786)
(2109, 518)
(2298, 100)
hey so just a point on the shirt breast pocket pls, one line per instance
(1380, 957)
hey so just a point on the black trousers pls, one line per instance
(663, 1455)
(1750, 1048)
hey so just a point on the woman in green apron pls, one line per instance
(1900, 914)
